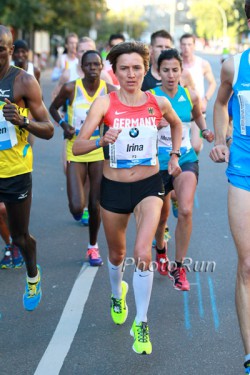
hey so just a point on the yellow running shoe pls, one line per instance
(119, 308)
(175, 207)
(167, 235)
(140, 332)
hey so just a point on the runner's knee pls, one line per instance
(244, 269)
(23, 240)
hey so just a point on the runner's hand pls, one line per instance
(110, 136)
(11, 113)
(173, 166)
(208, 135)
(219, 154)
(68, 131)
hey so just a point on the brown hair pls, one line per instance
(160, 34)
(187, 35)
(129, 47)
(86, 39)
(71, 35)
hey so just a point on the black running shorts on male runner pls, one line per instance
(15, 189)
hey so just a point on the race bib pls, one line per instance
(165, 139)
(244, 103)
(8, 138)
(134, 146)
(79, 118)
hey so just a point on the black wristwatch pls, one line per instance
(26, 122)
(177, 153)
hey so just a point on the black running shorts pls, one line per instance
(15, 189)
(186, 167)
(123, 197)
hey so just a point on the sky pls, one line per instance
(118, 5)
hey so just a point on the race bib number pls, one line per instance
(134, 146)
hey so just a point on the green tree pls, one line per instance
(209, 19)
(52, 15)
(129, 21)
(75, 15)
(23, 14)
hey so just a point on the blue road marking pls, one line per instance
(196, 200)
(186, 310)
(213, 304)
(200, 302)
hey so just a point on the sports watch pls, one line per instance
(26, 122)
(177, 153)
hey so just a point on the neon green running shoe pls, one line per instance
(85, 218)
(119, 308)
(142, 344)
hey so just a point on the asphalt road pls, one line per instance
(71, 333)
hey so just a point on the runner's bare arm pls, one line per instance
(83, 144)
(220, 151)
(199, 118)
(63, 96)
(209, 76)
(27, 90)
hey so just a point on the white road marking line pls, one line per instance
(55, 354)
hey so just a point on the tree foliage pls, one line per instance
(129, 22)
(209, 19)
(52, 15)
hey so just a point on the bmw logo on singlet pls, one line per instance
(134, 132)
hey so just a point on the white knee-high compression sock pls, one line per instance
(115, 276)
(142, 284)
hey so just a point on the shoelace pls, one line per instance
(93, 253)
(163, 260)
(143, 333)
(182, 274)
(179, 274)
(32, 289)
(176, 273)
(117, 305)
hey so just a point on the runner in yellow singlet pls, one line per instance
(79, 95)
(19, 94)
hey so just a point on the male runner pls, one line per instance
(235, 78)
(19, 93)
